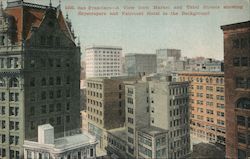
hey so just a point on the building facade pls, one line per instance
(140, 64)
(152, 142)
(207, 106)
(78, 146)
(237, 89)
(169, 60)
(103, 61)
(137, 112)
(169, 110)
(105, 106)
(39, 75)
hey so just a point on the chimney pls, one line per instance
(45, 134)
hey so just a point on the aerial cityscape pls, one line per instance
(64, 97)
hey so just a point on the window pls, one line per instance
(242, 154)
(43, 82)
(242, 138)
(244, 61)
(43, 109)
(51, 108)
(130, 100)
(51, 81)
(67, 118)
(130, 120)
(58, 80)
(236, 61)
(58, 107)
(58, 93)
(243, 103)
(2, 82)
(42, 40)
(236, 43)
(68, 80)
(240, 82)
(51, 62)
(15, 83)
(43, 95)
(241, 120)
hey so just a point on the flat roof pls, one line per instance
(103, 47)
(152, 130)
(68, 141)
(119, 132)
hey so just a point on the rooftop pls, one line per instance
(64, 144)
(138, 54)
(103, 47)
(119, 133)
(152, 130)
(236, 25)
(69, 141)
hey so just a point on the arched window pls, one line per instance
(243, 103)
(14, 82)
(2, 82)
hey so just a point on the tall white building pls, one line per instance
(103, 61)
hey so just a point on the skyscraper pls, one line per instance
(103, 61)
(39, 74)
(237, 89)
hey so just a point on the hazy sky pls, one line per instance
(194, 35)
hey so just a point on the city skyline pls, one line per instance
(145, 34)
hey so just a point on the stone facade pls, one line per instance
(237, 89)
(40, 72)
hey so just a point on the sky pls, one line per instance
(194, 35)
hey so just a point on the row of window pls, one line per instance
(13, 97)
(178, 111)
(50, 81)
(51, 94)
(95, 94)
(241, 82)
(177, 91)
(173, 102)
(94, 102)
(115, 52)
(13, 154)
(52, 120)
(243, 121)
(95, 111)
(13, 125)
(49, 63)
(218, 80)
(13, 82)
(241, 61)
(50, 41)
(178, 122)
(9, 62)
(94, 85)
(49, 108)
(179, 132)
(95, 119)
(241, 43)
(244, 138)
(13, 111)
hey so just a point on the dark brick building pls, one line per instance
(39, 74)
(237, 89)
